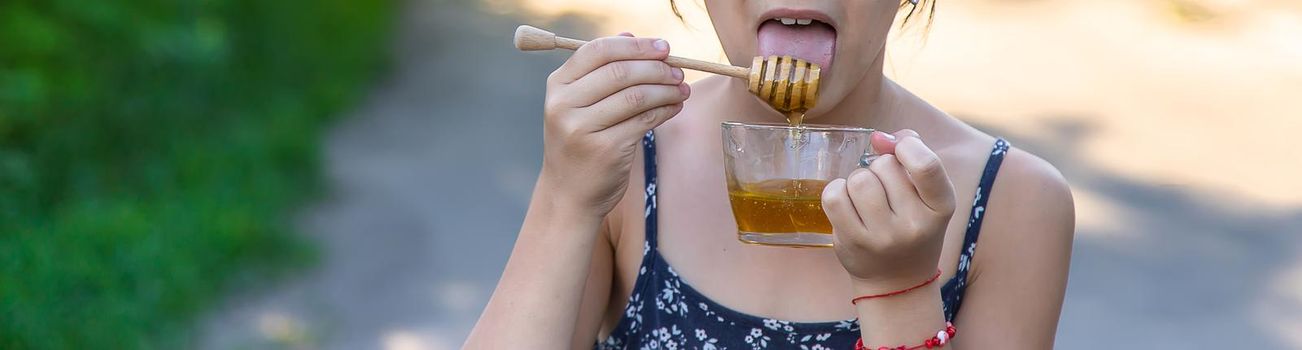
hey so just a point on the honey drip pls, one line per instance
(797, 135)
(796, 118)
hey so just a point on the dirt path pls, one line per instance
(428, 180)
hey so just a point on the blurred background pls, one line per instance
(235, 174)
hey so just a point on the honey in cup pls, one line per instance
(776, 174)
(779, 206)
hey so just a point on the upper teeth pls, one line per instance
(800, 21)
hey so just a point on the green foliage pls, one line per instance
(151, 152)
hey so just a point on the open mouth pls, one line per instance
(805, 35)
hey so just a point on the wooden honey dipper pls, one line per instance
(788, 84)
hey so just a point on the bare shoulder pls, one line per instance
(1031, 218)
(1029, 184)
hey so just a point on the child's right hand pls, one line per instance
(599, 104)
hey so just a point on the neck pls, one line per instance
(871, 102)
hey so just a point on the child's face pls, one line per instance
(844, 36)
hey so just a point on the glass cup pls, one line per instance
(776, 174)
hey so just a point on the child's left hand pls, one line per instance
(889, 219)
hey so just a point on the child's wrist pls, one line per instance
(901, 318)
(562, 203)
(901, 280)
(551, 218)
(909, 299)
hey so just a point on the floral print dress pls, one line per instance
(664, 312)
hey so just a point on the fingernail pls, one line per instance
(678, 74)
(887, 135)
(661, 45)
(684, 89)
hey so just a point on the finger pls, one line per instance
(900, 192)
(839, 208)
(601, 51)
(882, 142)
(868, 196)
(928, 174)
(639, 124)
(630, 101)
(618, 75)
(906, 133)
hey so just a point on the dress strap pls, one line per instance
(953, 298)
(649, 170)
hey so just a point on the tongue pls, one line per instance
(814, 42)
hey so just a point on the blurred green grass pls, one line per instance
(151, 153)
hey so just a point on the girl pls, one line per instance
(659, 266)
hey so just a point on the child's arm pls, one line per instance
(598, 106)
(890, 223)
(539, 297)
(596, 294)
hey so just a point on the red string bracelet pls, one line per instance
(941, 338)
(898, 292)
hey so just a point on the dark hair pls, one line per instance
(922, 6)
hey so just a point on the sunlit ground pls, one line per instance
(1173, 119)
